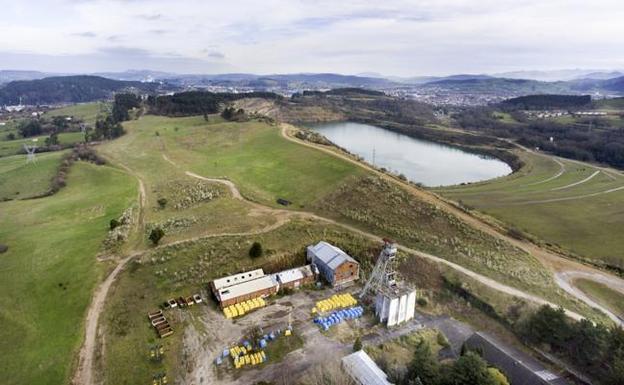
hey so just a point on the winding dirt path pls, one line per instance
(555, 262)
(557, 175)
(84, 371)
(567, 279)
(577, 183)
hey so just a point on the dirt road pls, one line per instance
(555, 262)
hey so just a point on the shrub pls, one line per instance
(156, 235)
(422, 301)
(162, 202)
(357, 345)
(256, 250)
(3, 248)
(114, 223)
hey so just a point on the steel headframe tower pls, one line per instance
(383, 275)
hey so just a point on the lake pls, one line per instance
(421, 161)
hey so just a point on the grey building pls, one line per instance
(519, 367)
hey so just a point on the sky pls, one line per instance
(390, 37)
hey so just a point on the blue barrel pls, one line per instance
(263, 343)
(226, 352)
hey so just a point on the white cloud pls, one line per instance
(397, 37)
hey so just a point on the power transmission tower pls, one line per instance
(30, 152)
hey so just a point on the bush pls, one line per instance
(357, 345)
(114, 223)
(162, 202)
(3, 248)
(441, 340)
(422, 301)
(156, 235)
(256, 250)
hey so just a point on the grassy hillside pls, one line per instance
(48, 273)
(614, 300)
(576, 207)
(251, 154)
(87, 112)
(12, 147)
(21, 180)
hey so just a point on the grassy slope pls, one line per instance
(614, 300)
(589, 227)
(87, 112)
(12, 147)
(252, 154)
(51, 241)
(20, 180)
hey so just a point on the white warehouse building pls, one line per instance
(394, 308)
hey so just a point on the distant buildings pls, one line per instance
(336, 266)
(363, 370)
(518, 367)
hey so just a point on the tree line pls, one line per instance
(591, 139)
(198, 102)
(594, 349)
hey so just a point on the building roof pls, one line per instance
(363, 369)
(237, 278)
(519, 367)
(330, 255)
(247, 287)
(295, 274)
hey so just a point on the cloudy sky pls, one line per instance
(392, 37)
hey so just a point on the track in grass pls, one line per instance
(578, 208)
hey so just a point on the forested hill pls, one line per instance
(545, 102)
(198, 102)
(67, 89)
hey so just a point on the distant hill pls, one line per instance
(493, 85)
(7, 76)
(66, 89)
(615, 85)
(322, 80)
(546, 102)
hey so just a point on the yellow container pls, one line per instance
(247, 360)
(287, 332)
(233, 310)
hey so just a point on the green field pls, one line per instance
(87, 112)
(578, 209)
(48, 274)
(252, 154)
(21, 180)
(612, 299)
(13, 147)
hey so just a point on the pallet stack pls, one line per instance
(160, 323)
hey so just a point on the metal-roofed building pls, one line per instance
(240, 287)
(234, 279)
(296, 277)
(336, 266)
(519, 367)
(240, 292)
(363, 370)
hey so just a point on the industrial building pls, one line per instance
(296, 277)
(337, 267)
(394, 307)
(363, 370)
(241, 287)
(518, 367)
